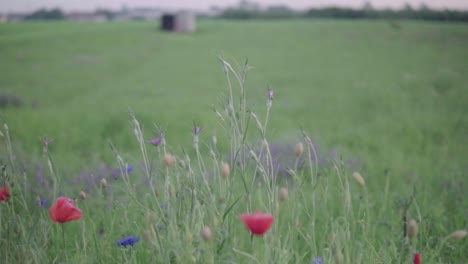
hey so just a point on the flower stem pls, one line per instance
(63, 236)
(63, 241)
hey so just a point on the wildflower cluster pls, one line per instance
(206, 204)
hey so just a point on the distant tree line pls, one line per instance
(45, 14)
(406, 13)
(423, 13)
(274, 12)
(249, 10)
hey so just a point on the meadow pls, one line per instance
(390, 103)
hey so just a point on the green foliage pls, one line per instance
(44, 14)
(408, 13)
(394, 99)
(335, 12)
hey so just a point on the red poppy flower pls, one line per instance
(64, 210)
(416, 258)
(258, 223)
(4, 193)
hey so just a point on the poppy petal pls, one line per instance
(258, 223)
(64, 210)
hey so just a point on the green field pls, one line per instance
(394, 99)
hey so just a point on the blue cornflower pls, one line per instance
(127, 241)
(318, 260)
(129, 168)
(42, 202)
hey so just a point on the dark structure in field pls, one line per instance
(181, 22)
(167, 22)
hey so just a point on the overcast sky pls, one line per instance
(68, 5)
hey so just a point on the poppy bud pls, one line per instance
(359, 179)
(459, 234)
(225, 170)
(168, 160)
(416, 258)
(4, 193)
(181, 164)
(151, 217)
(206, 233)
(283, 194)
(412, 229)
(299, 149)
(298, 223)
(104, 182)
(339, 258)
(146, 236)
(82, 195)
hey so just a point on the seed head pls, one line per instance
(359, 179)
(104, 182)
(225, 170)
(299, 149)
(168, 160)
(206, 233)
(459, 234)
(82, 195)
(283, 194)
(412, 229)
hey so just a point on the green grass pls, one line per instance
(395, 99)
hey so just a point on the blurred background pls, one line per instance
(382, 85)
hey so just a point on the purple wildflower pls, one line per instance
(318, 260)
(271, 94)
(129, 168)
(196, 130)
(47, 140)
(115, 173)
(127, 241)
(155, 141)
